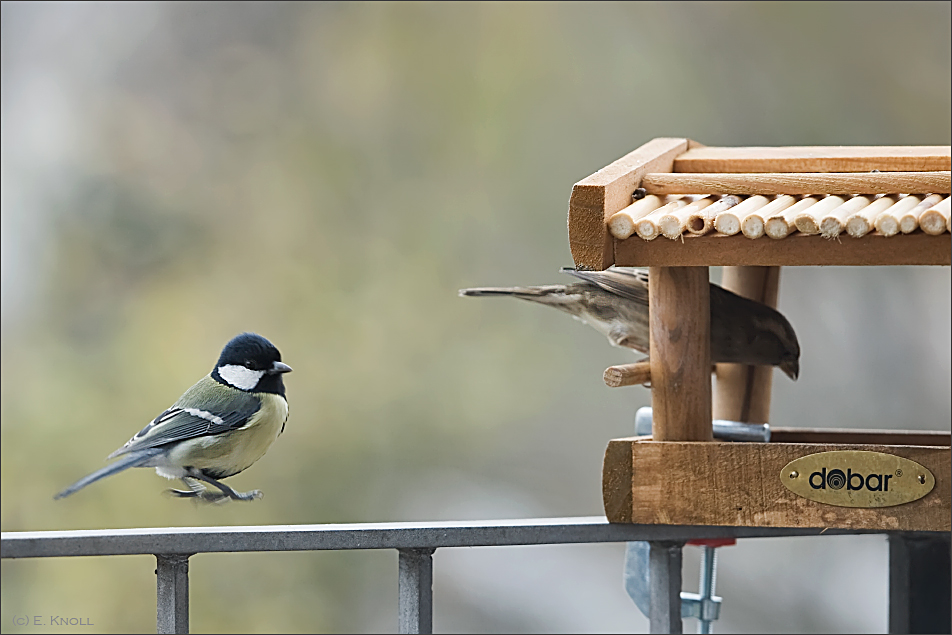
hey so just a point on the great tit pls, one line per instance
(218, 428)
(615, 303)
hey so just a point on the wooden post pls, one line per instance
(743, 392)
(679, 309)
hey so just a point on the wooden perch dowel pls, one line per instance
(935, 220)
(808, 222)
(781, 224)
(887, 223)
(797, 183)
(627, 374)
(834, 222)
(909, 222)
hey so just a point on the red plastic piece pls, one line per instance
(714, 542)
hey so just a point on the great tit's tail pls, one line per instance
(133, 459)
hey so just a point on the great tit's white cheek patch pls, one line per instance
(240, 377)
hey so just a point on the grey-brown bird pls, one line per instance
(615, 303)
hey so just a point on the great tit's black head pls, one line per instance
(251, 363)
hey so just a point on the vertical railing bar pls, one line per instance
(415, 590)
(664, 565)
(899, 584)
(919, 583)
(171, 593)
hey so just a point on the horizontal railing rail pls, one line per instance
(414, 541)
(410, 535)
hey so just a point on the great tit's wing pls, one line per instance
(206, 409)
(627, 283)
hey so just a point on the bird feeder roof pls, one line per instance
(878, 179)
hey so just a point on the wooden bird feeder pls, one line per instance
(882, 206)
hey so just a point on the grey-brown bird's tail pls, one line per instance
(519, 292)
(560, 296)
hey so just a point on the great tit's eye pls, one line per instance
(249, 364)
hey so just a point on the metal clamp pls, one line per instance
(703, 606)
(645, 576)
(724, 430)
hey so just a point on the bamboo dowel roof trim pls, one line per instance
(854, 207)
(842, 180)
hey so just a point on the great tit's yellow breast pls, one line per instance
(227, 454)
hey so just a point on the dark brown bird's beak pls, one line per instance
(791, 367)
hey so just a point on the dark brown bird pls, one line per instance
(615, 303)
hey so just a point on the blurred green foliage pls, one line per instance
(329, 175)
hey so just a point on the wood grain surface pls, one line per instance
(796, 183)
(797, 249)
(679, 315)
(738, 484)
(597, 197)
(816, 159)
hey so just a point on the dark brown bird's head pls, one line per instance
(776, 339)
(748, 332)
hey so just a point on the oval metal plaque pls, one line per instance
(857, 478)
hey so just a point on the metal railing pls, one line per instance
(414, 542)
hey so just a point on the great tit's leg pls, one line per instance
(195, 489)
(227, 491)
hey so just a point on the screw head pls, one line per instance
(922, 479)
(794, 474)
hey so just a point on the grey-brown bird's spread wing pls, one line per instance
(625, 283)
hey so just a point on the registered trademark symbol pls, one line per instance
(899, 472)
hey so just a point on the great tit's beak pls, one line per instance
(791, 367)
(278, 368)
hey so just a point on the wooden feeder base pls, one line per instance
(738, 484)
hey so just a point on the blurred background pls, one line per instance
(329, 175)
